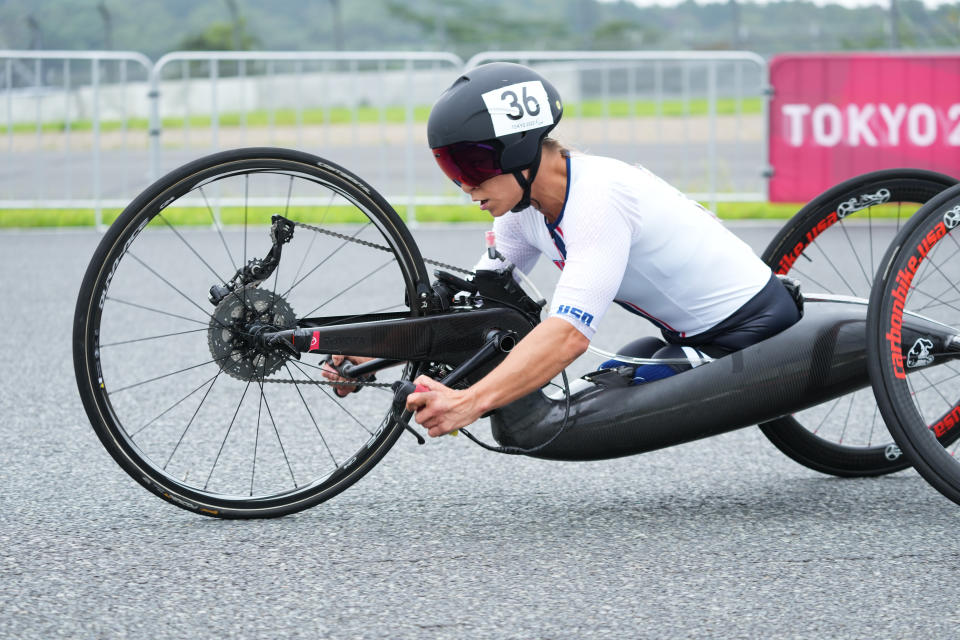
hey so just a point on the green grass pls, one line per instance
(17, 218)
(24, 218)
(757, 210)
(393, 115)
(668, 108)
(28, 218)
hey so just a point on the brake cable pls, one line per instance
(520, 451)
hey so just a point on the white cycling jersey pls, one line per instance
(626, 236)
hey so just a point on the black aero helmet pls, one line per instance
(493, 120)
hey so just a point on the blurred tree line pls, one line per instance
(465, 27)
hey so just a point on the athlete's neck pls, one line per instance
(550, 186)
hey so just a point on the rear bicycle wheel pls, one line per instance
(833, 245)
(915, 374)
(176, 395)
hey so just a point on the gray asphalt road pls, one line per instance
(723, 537)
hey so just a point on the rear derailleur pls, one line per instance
(257, 270)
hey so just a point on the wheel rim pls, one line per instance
(838, 253)
(175, 409)
(920, 394)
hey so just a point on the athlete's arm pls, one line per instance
(598, 249)
(538, 357)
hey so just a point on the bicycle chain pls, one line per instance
(332, 383)
(374, 245)
(365, 243)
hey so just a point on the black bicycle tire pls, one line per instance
(786, 433)
(912, 434)
(126, 227)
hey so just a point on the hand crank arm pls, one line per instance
(350, 370)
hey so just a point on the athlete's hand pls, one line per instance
(442, 409)
(330, 373)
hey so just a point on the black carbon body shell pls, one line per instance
(821, 357)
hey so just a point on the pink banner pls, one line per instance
(835, 116)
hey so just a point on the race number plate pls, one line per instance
(518, 107)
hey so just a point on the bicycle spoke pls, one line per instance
(306, 254)
(935, 302)
(192, 418)
(167, 375)
(286, 208)
(256, 438)
(280, 441)
(956, 374)
(173, 286)
(846, 421)
(335, 401)
(312, 419)
(873, 424)
(838, 272)
(935, 388)
(313, 239)
(219, 229)
(173, 415)
(226, 435)
(949, 365)
(867, 278)
(166, 313)
(795, 271)
(188, 299)
(192, 250)
(329, 300)
(827, 415)
(175, 404)
(359, 315)
(165, 335)
(927, 275)
(335, 251)
(933, 264)
(246, 200)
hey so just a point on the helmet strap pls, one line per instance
(526, 183)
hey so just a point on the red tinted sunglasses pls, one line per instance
(469, 163)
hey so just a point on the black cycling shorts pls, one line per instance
(767, 313)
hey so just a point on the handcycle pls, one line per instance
(205, 385)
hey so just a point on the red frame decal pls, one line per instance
(902, 282)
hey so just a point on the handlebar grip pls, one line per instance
(403, 389)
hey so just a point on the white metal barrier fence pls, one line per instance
(90, 130)
(697, 119)
(360, 110)
(72, 138)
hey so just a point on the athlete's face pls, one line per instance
(497, 195)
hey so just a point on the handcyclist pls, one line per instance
(619, 234)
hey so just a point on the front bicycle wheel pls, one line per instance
(833, 245)
(914, 373)
(168, 377)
